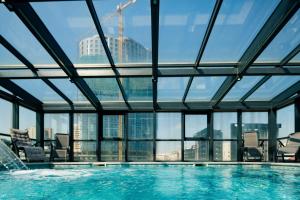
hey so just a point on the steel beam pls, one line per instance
(295, 88)
(290, 56)
(255, 87)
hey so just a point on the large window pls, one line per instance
(168, 125)
(55, 123)
(27, 120)
(168, 151)
(113, 126)
(286, 121)
(5, 116)
(140, 125)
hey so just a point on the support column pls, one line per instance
(15, 115)
(273, 133)
(126, 135)
(182, 135)
(297, 115)
(40, 128)
(99, 135)
(239, 136)
(71, 136)
(210, 130)
(154, 136)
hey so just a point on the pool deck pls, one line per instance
(53, 164)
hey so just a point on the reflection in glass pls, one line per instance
(140, 151)
(168, 125)
(106, 89)
(236, 26)
(225, 125)
(137, 89)
(286, 121)
(27, 120)
(112, 151)
(5, 120)
(256, 121)
(241, 88)
(55, 123)
(196, 126)
(85, 126)
(284, 42)
(168, 151)
(72, 26)
(182, 28)
(140, 125)
(113, 126)
(274, 86)
(127, 28)
(85, 151)
(171, 88)
(225, 151)
(204, 88)
(196, 151)
(39, 90)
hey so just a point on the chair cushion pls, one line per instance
(34, 154)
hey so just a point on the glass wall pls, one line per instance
(285, 122)
(168, 126)
(85, 136)
(27, 120)
(6, 118)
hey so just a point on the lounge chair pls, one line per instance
(60, 149)
(21, 142)
(292, 148)
(252, 150)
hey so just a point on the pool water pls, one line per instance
(153, 182)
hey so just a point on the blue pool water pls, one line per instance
(153, 182)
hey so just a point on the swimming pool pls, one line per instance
(153, 182)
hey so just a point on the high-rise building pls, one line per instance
(91, 50)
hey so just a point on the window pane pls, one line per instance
(171, 88)
(196, 126)
(285, 41)
(27, 120)
(70, 90)
(296, 59)
(137, 89)
(85, 151)
(168, 125)
(21, 38)
(274, 86)
(168, 151)
(106, 89)
(225, 150)
(237, 24)
(140, 151)
(182, 28)
(135, 32)
(8, 60)
(85, 126)
(112, 151)
(286, 121)
(225, 125)
(55, 123)
(5, 116)
(113, 126)
(241, 88)
(40, 90)
(73, 28)
(204, 88)
(140, 125)
(256, 121)
(196, 151)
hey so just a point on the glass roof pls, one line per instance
(135, 31)
(16, 33)
(274, 86)
(106, 89)
(40, 90)
(8, 60)
(296, 59)
(171, 89)
(237, 24)
(241, 88)
(287, 39)
(72, 26)
(182, 26)
(204, 88)
(137, 89)
(70, 90)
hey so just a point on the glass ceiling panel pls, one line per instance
(106, 89)
(8, 60)
(171, 88)
(16, 33)
(296, 59)
(72, 26)
(5, 90)
(182, 26)
(237, 24)
(286, 40)
(138, 89)
(204, 88)
(40, 90)
(241, 88)
(274, 86)
(70, 90)
(134, 31)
